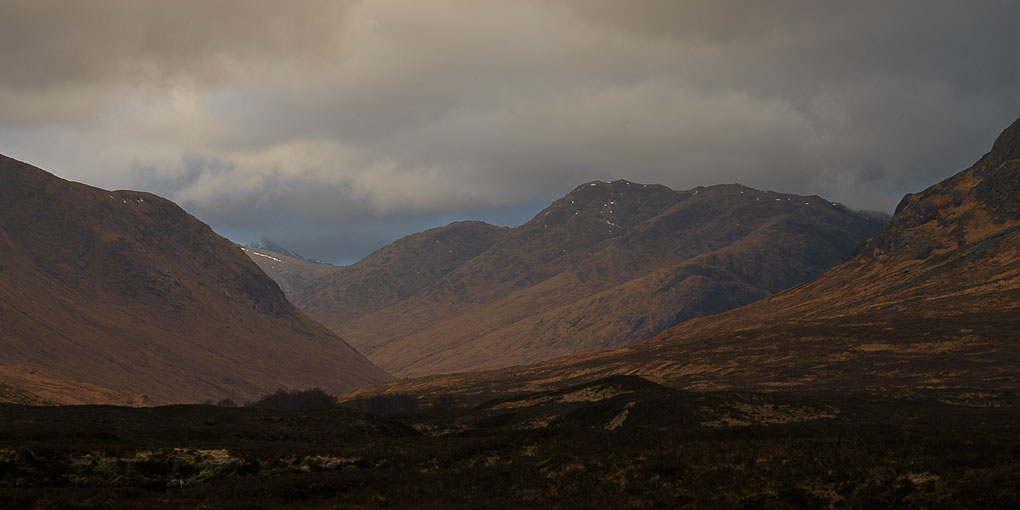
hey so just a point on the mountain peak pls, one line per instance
(604, 188)
(962, 210)
(999, 175)
(1007, 145)
(603, 209)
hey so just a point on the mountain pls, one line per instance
(121, 296)
(404, 269)
(931, 301)
(266, 244)
(292, 274)
(608, 264)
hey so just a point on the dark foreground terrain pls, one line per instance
(617, 443)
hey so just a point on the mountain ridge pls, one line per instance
(553, 286)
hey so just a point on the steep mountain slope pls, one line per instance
(608, 264)
(121, 296)
(293, 274)
(957, 238)
(931, 301)
(408, 267)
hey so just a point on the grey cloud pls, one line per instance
(170, 183)
(272, 200)
(67, 57)
(345, 242)
(318, 114)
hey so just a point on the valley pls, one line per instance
(609, 264)
(612, 443)
(578, 254)
(886, 381)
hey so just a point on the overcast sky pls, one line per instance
(334, 127)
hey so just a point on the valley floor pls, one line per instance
(866, 451)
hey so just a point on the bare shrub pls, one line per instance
(295, 400)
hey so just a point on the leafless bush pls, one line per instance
(295, 400)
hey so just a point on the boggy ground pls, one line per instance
(616, 443)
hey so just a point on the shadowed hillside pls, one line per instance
(122, 296)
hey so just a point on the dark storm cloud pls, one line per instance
(301, 116)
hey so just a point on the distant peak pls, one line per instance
(456, 228)
(592, 184)
(267, 244)
(472, 224)
(617, 185)
(735, 187)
